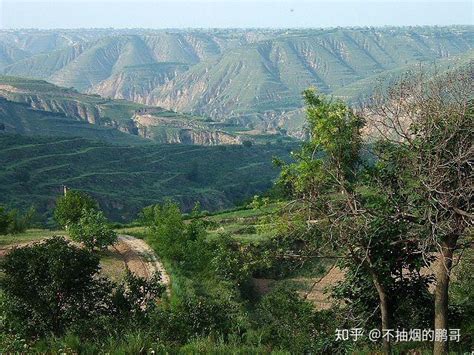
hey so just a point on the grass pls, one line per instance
(112, 264)
(247, 225)
(31, 235)
(138, 232)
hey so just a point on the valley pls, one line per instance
(236, 191)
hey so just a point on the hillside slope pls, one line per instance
(59, 111)
(250, 77)
(18, 118)
(126, 178)
(263, 81)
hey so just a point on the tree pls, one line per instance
(432, 120)
(179, 241)
(167, 228)
(13, 221)
(69, 207)
(92, 230)
(49, 286)
(355, 208)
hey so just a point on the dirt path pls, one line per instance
(136, 254)
(140, 258)
(317, 294)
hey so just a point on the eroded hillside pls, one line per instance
(36, 107)
(252, 78)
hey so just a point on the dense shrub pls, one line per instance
(49, 286)
(54, 288)
(176, 240)
(287, 321)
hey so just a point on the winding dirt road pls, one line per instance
(140, 258)
(136, 254)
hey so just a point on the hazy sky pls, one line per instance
(230, 13)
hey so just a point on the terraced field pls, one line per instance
(124, 179)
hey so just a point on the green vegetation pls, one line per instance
(14, 222)
(18, 118)
(27, 236)
(36, 107)
(52, 288)
(92, 230)
(249, 77)
(125, 179)
(386, 219)
(346, 238)
(264, 79)
(70, 207)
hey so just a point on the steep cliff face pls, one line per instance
(181, 131)
(153, 123)
(193, 137)
(69, 108)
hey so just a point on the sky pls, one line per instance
(48, 14)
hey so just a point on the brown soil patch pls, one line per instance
(140, 258)
(317, 294)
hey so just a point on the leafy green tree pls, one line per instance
(167, 227)
(181, 242)
(357, 209)
(92, 230)
(13, 221)
(69, 208)
(19, 222)
(49, 286)
(230, 262)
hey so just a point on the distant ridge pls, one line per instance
(252, 78)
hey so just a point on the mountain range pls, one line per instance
(251, 78)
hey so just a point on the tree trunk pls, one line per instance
(384, 310)
(441, 292)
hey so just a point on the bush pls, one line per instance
(49, 286)
(92, 230)
(178, 241)
(287, 321)
(53, 288)
(135, 297)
